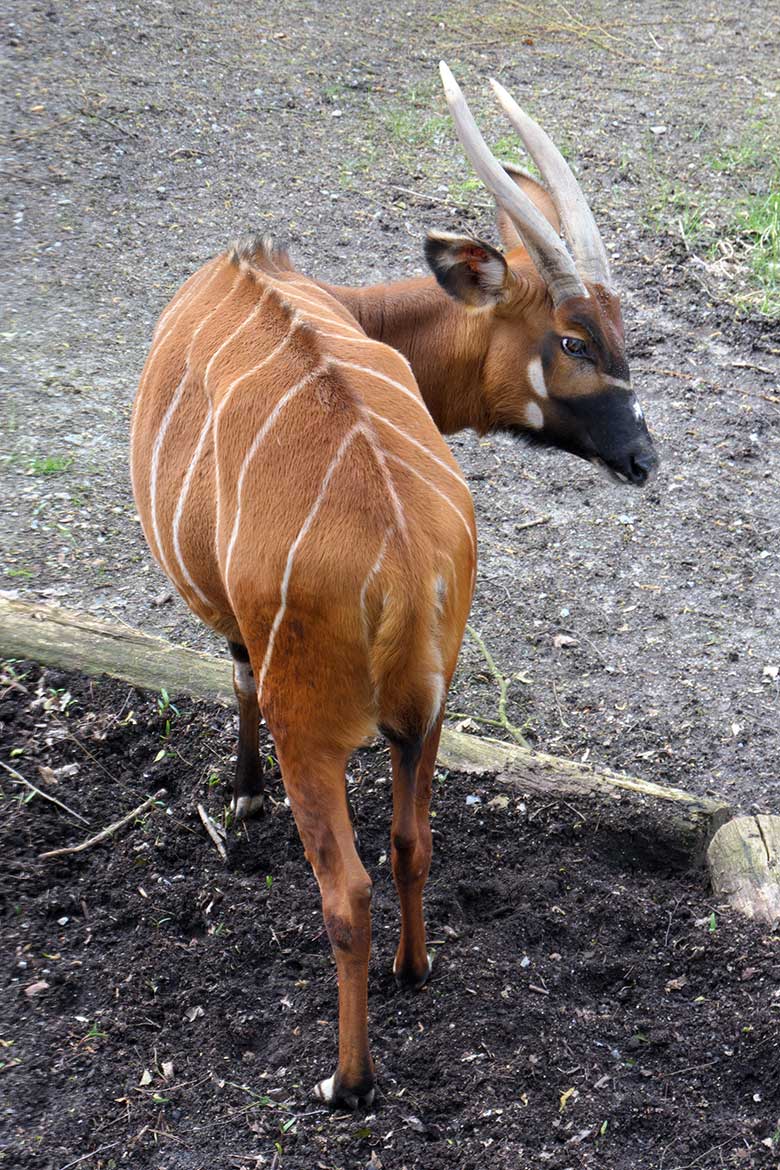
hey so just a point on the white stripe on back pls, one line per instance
(384, 378)
(439, 492)
(255, 446)
(334, 463)
(410, 439)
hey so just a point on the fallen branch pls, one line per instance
(109, 830)
(19, 779)
(211, 829)
(503, 688)
(533, 523)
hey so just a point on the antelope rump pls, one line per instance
(292, 481)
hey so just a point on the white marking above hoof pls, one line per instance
(246, 806)
(326, 1091)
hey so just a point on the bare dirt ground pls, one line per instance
(591, 1005)
(138, 139)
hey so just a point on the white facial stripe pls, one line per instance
(618, 382)
(536, 377)
(639, 414)
(534, 416)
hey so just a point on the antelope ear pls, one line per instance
(468, 269)
(539, 196)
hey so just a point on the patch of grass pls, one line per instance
(49, 464)
(759, 222)
(736, 227)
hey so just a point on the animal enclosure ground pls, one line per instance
(637, 630)
(161, 1010)
(143, 138)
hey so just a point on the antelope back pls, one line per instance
(295, 490)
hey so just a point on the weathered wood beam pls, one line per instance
(74, 641)
(57, 637)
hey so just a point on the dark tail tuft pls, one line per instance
(260, 251)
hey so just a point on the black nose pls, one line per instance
(640, 465)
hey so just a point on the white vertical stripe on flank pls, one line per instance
(160, 336)
(334, 463)
(332, 317)
(405, 435)
(250, 316)
(196, 277)
(384, 378)
(258, 439)
(438, 491)
(294, 320)
(160, 436)
(155, 460)
(201, 284)
(392, 491)
(223, 403)
(372, 572)
(185, 490)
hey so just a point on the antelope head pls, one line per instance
(555, 366)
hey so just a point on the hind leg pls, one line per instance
(314, 778)
(413, 760)
(248, 786)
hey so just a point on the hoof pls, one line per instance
(335, 1095)
(412, 982)
(247, 806)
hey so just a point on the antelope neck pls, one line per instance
(444, 343)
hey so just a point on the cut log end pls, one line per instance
(744, 863)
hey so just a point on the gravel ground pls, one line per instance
(140, 138)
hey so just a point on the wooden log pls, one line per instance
(73, 641)
(744, 863)
(683, 824)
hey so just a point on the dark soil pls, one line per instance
(588, 1008)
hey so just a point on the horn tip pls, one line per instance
(449, 82)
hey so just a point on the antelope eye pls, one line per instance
(574, 346)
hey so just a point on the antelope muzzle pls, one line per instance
(611, 431)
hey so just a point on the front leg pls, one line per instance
(248, 785)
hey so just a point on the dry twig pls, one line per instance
(503, 687)
(109, 829)
(19, 779)
(211, 829)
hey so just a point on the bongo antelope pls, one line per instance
(292, 482)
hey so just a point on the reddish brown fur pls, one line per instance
(353, 514)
